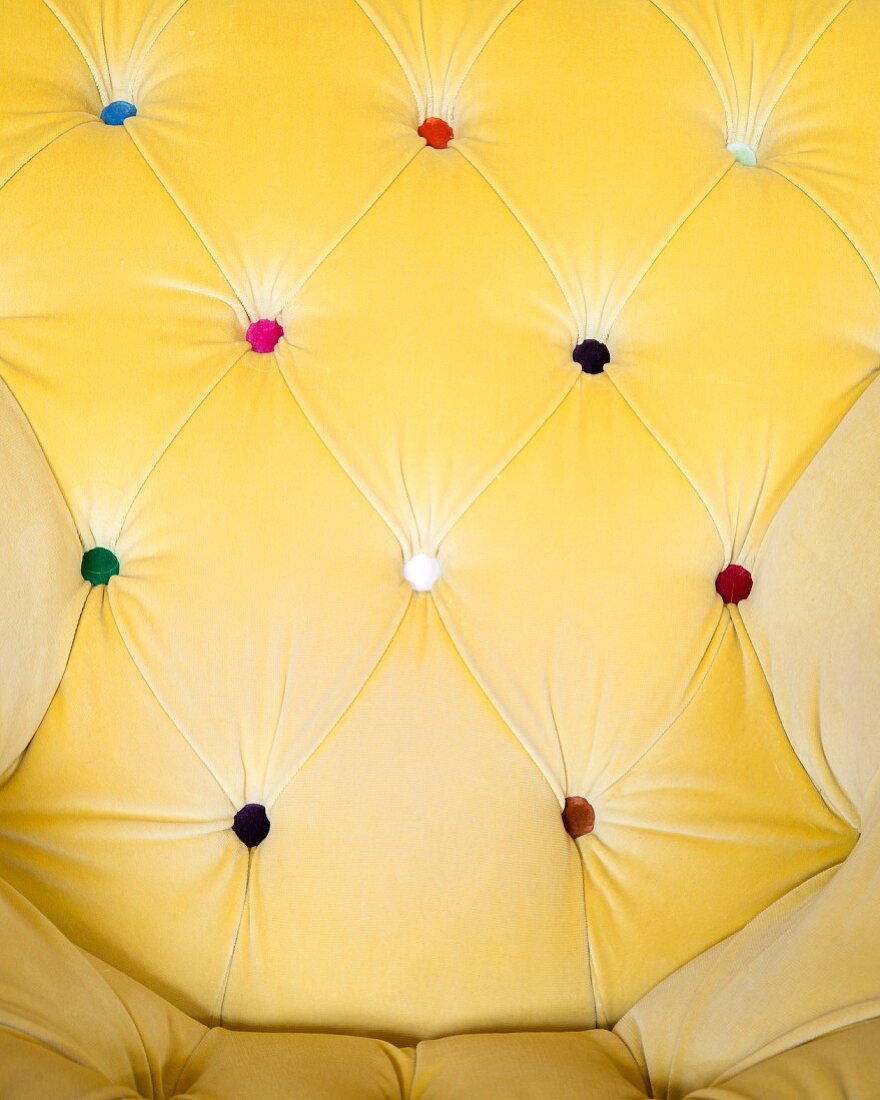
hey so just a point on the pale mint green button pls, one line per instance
(745, 154)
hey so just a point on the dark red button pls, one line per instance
(437, 132)
(578, 817)
(733, 583)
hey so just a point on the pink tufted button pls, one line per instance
(263, 335)
(437, 132)
(578, 816)
(733, 583)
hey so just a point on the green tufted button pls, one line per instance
(99, 564)
(745, 154)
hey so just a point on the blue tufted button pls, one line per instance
(251, 824)
(592, 356)
(115, 113)
(745, 154)
(99, 564)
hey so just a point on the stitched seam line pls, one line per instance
(772, 168)
(175, 435)
(746, 641)
(493, 30)
(710, 68)
(163, 708)
(43, 148)
(374, 504)
(667, 242)
(598, 1009)
(102, 92)
(671, 458)
(224, 987)
(395, 51)
(320, 261)
(504, 202)
(189, 1059)
(797, 67)
(335, 724)
(521, 740)
(493, 474)
(149, 47)
(717, 641)
(130, 131)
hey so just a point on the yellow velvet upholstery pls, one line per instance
(412, 578)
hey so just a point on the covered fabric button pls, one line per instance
(592, 356)
(115, 113)
(99, 564)
(422, 571)
(733, 583)
(578, 816)
(251, 824)
(437, 132)
(263, 335)
(745, 154)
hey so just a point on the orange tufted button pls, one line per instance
(263, 335)
(578, 816)
(733, 583)
(251, 824)
(437, 132)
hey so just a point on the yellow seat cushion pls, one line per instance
(438, 520)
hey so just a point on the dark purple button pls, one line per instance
(592, 356)
(251, 825)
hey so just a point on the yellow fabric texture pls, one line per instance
(418, 924)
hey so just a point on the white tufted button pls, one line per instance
(745, 154)
(422, 571)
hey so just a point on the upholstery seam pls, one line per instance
(746, 636)
(520, 740)
(710, 68)
(334, 725)
(164, 709)
(174, 437)
(410, 1092)
(598, 1008)
(671, 458)
(750, 1061)
(476, 57)
(102, 92)
(40, 1041)
(430, 79)
(374, 504)
(517, 218)
(43, 148)
(387, 38)
(5, 384)
(149, 47)
(130, 131)
(57, 688)
(224, 986)
(345, 233)
(189, 1058)
(506, 462)
(666, 243)
(716, 642)
(798, 66)
(807, 194)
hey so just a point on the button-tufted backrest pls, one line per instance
(409, 417)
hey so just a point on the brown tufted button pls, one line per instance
(578, 816)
